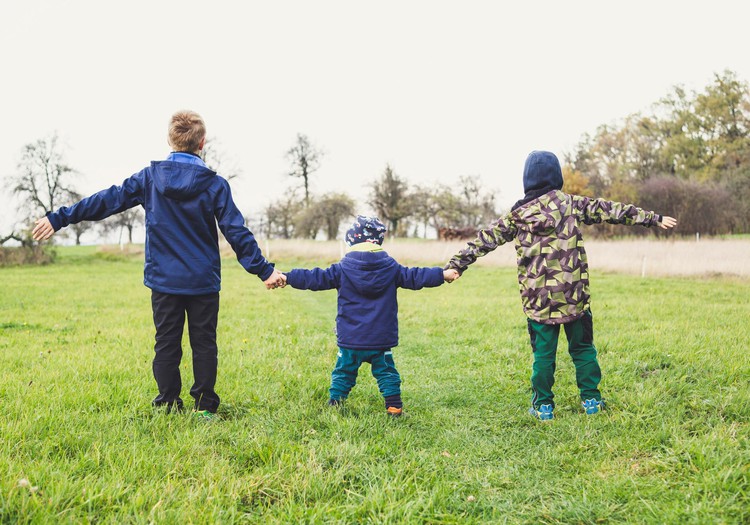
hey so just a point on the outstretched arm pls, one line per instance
(504, 230)
(315, 279)
(418, 278)
(595, 211)
(98, 206)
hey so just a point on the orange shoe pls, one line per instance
(394, 412)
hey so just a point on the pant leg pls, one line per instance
(385, 373)
(580, 334)
(344, 375)
(544, 345)
(169, 320)
(202, 315)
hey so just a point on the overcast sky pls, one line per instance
(437, 89)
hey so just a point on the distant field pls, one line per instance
(650, 257)
(79, 442)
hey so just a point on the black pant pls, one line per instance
(169, 319)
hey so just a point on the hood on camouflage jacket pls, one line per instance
(552, 268)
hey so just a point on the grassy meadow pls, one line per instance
(80, 443)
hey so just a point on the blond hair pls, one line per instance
(186, 131)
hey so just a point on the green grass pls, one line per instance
(75, 353)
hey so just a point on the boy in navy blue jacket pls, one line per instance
(367, 279)
(184, 200)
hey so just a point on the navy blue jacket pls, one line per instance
(184, 200)
(367, 305)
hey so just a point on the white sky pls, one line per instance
(437, 89)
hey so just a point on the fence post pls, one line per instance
(643, 267)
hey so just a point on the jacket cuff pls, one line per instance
(54, 220)
(265, 274)
(460, 271)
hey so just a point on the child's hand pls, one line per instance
(276, 280)
(450, 275)
(667, 222)
(43, 229)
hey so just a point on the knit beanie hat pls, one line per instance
(542, 172)
(365, 229)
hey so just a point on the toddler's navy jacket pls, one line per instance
(367, 305)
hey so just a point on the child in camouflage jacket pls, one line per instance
(553, 272)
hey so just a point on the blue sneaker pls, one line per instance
(544, 412)
(592, 406)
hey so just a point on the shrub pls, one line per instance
(24, 255)
(699, 207)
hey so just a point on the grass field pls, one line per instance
(79, 442)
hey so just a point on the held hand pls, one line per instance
(667, 222)
(450, 275)
(276, 280)
(43, 229)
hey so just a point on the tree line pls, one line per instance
(688, 157)
(408, 210)
(44, 181)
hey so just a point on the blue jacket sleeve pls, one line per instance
(315, 279)
(102, 204)
(417, 278)
(232, 225)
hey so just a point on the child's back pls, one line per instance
(367, 279)
(553, 271)
(184, 201)
(367, 284)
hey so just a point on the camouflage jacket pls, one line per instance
(553, 272)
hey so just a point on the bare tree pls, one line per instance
(12, 236)
(425, 209)
(218, 160)
(280, 215)
(43, 180)
(124, 221)
(305, 160)
(477, 205)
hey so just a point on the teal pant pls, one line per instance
(580, 334)
(344, 375)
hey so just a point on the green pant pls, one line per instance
(344, 376)
(580, 334)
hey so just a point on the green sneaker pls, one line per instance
(205, 415)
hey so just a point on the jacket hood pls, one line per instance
(370, 273)
(535, 217)
(179, 180)
(541, 174)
